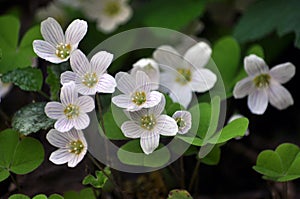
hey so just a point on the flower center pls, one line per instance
(180, 122)
(76, 147)
(63, 50)
(71, 111)
(112, 8)
(184, 76)
(148, 122)
(90, 79)
(139, 98)
(262, 81)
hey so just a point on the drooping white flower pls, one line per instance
(72, 146)
(71, 112)
(90, 77)
(183, 120)
(136, 91)
(150, 67)
(58, 46)
(182, 76)
(234, 117)
(264, 85)
(107, 13)
(148, 125)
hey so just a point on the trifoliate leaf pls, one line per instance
(28, 79)
(213, 157)
(40, 196)
(55, 196)
(179, 194)
(18, 196)
(86, 193)
(98, 181)
(31, 119)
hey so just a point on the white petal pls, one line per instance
(75, 32)
(106, 84)
(63, 124)
(52, 31)
(67, 77)
(198, 55)
(46, 51)
(54, 110)
(243, 88)
(76, 159)
(58, 139)
(68, 94)
(153, 99)
(79, 63)
(83, 89)
(159, 108)
(165, 125)
(181, 94)
(258, 101)
(187, 118)
(283, 72)
(131, 130)
(125, 13)
(107, 25)
(136, 115)
(150, 142)
(255, 65)
(125, 83)
(60, 156)
(168, 56)
(142, 82)
(203, 80)
(82, 121)
(101, 61)
(85, 103)
(279, 96)
(122, 101)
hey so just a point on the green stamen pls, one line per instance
(71, 111)
(76, 147)
(262, 81)
(90, 79)
(148, 122)
(139, 98)
(184, 76)
(63, 50)
(112, 8)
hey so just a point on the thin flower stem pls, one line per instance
(194, 176)
(175, 173)
(285, 190)
(182, 181)
(15, 182)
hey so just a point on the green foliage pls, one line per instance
(257, 50)
(55, 196)
(113, 132)
(179, 194)
(28, 79)
(14, 55)
(40, 196)
(263, 17)
(53, 81)
(86, 193)
(98, 181)
(280, 165)
(132, 154)
(19, 156)
(213, 157)
(31, 119)
(18, 196)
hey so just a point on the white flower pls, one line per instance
(72, 146)
(183, 120)
(71, 112)
(234, 117)
(4, 89)
(90, 77)
(148, 125)
(137, 92)
(264, 85)
(182, 76)
(53, 9)
(58, 47)
(108, 13)
(150, 67)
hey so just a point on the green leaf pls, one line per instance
(86, 193)
(54, 83)
(55, 196)
(4, 173)
(40, 196)
(113, 132)
(18, 196)
(132, 154)
(250, 26)
(280, 165)
(179, 194)
(98, 181)
(8, 142)
(256, 50)
(201, 114)
(31, 119)
(28, 79)
(213, 157)
(173, 108)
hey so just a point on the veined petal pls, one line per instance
(142, 82)
(279, 96)
(106, 84)
(168, 56)
(131, 130)
(243, 88)
(255, 65)
(68, 94)
(153, 99)
(186, 118)
(67, 77)
(82, 121)
(149, 142)
(60, 156)
(52, 31)
(54, 110)
(79, 63)
(203, 80)
(258, 101)
(58, 139)
(198, 55)
(85, 103)
(125, 83)
(122, 101)
(181, 94)
(75, 159)
(46, 51)
(75, 32)
(159, 108)
(63, 124)
(282, 73)
(107, 25)
(101, 61)
(165, 125)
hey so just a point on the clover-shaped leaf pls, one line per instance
(280, 165)
(87, 193)
(179, 194)
(98, 181)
